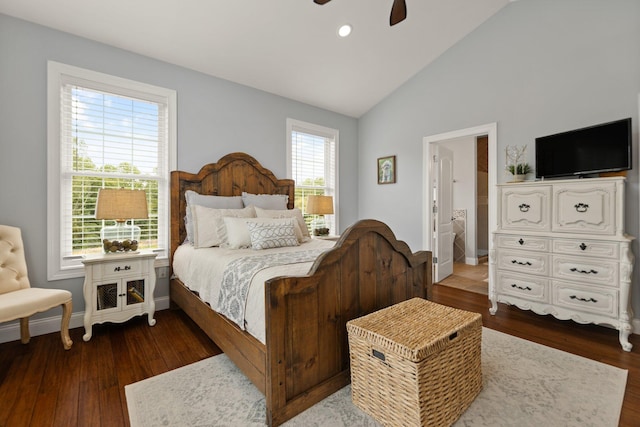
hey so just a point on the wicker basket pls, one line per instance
(415, 363)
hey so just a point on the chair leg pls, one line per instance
(24, 330)
(67, 308)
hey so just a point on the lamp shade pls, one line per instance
(320, 205)
(121, 204)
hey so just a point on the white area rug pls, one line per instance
(524, 384)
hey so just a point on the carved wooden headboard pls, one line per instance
(229, 176)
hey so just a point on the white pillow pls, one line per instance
(267, 236)
(217, 202)
(266, 201)
(208, 224)
(238, 235)
(286, 213)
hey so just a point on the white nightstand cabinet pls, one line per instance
(118, 287)
(560, 249)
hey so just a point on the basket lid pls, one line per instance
(413, 329)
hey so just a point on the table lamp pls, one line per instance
(120, 205)
(321, 206)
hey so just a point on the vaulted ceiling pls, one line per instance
(286, 47)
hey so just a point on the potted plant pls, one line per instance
(515, 166)
(519, 171)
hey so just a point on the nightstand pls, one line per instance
(332, 237)
(118, 287)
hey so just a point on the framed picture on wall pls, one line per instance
(387, 170)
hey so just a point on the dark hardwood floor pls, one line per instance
(42, 385)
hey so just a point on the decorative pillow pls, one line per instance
(217, 202)
(287, 213)
(237, 230)
(208, 224)
(265, 201)
(267, 236)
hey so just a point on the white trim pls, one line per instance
(57, 73)
(491, 130)
(47, 325)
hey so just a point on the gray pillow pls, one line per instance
(265, 201)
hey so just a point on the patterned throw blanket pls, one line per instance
(237, 277)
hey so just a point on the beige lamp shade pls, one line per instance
(121, 204)
(320, 205)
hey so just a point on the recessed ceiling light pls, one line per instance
(344, 30)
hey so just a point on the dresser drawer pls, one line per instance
(540, 244)
(524, 262)
(598, 249)
(120, 267)
(585, 269)
(588, 299)
(585, 208)
(533, 288)
(525, 208)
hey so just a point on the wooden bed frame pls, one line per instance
(306, 356)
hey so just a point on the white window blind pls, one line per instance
(312, 163)
(111, 134)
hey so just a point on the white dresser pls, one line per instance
(560, 249)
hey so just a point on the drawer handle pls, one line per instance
(525, 288)
(515, 261)
(583, 299)
(125, 268)
(521, 241)
(524, 207)
(583, 246)
(575, 270)
(581, 207)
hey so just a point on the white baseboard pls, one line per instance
(11, 331)
(47, 325)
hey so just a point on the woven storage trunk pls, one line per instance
(415, 363)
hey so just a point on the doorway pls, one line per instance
(457, 229)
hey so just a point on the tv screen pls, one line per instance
(601, 148)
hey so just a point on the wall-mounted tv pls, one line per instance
(601, 148)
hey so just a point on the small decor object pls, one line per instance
(515, 164)
(321, 206)
(120, 205)
(387, 170)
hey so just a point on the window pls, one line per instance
(104, 132)
(312, 161)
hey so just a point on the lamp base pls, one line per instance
(322, 231)
(319, 227)
(120, 238)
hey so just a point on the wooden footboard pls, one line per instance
(307, 344)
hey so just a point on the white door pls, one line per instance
(443, 212)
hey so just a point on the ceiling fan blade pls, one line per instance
(321, 1)
(398, 12)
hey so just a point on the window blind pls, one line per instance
(313, 165)
(109, 140)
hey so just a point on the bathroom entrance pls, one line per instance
(459, 235)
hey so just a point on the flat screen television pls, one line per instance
(601, 148)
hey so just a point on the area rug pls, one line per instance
(524, 384)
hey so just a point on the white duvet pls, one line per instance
(201, 270)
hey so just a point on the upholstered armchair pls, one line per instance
(18, 300)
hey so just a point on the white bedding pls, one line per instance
(201, 270)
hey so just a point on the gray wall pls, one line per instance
(537, 67)
(215, 117)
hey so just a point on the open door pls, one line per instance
(443, 212)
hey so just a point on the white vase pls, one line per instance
(518, 178)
